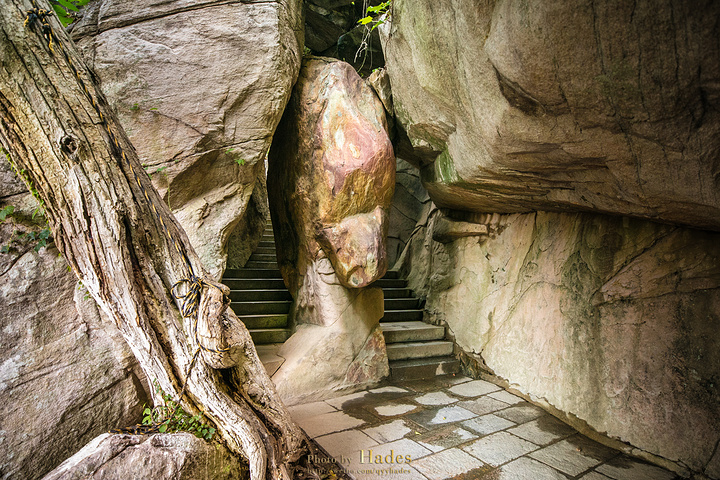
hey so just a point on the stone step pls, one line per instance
(400, 332)
(236, 273)
(269, 357)
(402, 304)
(265, 250)
(397, 292)
(402, 316)
(254, 283)
(267, 237)
(392, 274)
(263, 257)
(261, 265)
(423, 368)
(409, 350)
(259, 295)
(253, 322)
(262, 336)
(254, 308)
(389, 283)
(265, 243)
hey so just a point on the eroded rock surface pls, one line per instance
(515, 107)
(330, 182)
(331, 177)
(612, 320)
(66, 374)
(177, 456)
(199, 87)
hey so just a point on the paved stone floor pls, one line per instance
(456, 427)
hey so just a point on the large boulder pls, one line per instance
(66, 374)
(199, 87)
(177, 456)
(331, 176)
(512, 106)
(611, 320)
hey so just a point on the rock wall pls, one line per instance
(66, 374)
(513, 106)
(512, 110)
(199, 87)
(612, 320)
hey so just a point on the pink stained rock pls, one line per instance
(331, 177)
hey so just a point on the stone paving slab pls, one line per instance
(346, 445)
(394, 409)
(438, 416)
(521, 413)
(448, 429)
(328, 423)
(525, 468)
(300, 412)
(388, 432)
(435, 398)
(543, 430)
(487, 424)
(575, 455)
(499, 448)
(624, 468)
(447, 437)
(473, 388)
(449, 463)
(506, 397)
(483, 405)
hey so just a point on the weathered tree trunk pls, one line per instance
(102, 211)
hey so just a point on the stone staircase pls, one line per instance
(258, 294)
(416, 349)
(261, 301)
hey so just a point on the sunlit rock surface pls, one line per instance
(571, 106)
(177, 456)
(199, 87)
(330, 182)
(66, 374)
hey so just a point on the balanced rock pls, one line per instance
(331, 177)
(330, 182)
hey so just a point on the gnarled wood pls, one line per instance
(105, 225)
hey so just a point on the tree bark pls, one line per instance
(117, 235)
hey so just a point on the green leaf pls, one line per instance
(6, 212)
(163, 428)
(45, 233)
(240, 161)
(5, 249)
(147, 411)
(41, 244)
(365, 20)
(67, 5)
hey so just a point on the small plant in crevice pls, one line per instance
(171, 418)
(67, 10)
(374, 17)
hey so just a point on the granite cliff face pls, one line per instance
(199, 87)
(548, 136)
(66, 373)
(513, 107)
